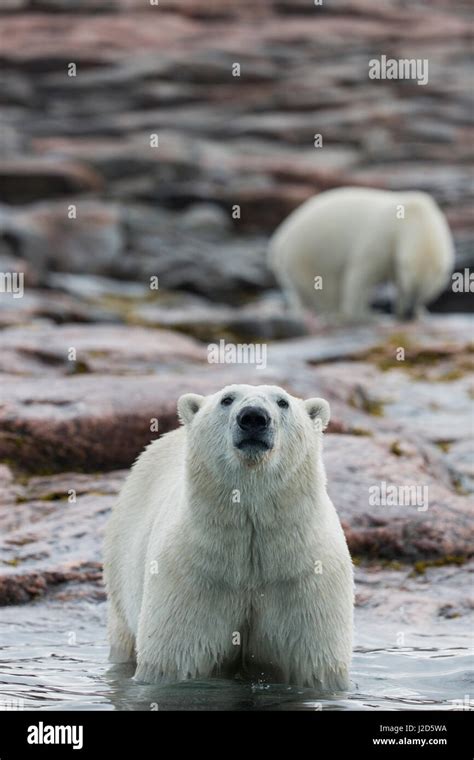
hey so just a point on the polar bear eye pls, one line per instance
(227, 401)
(283, 403)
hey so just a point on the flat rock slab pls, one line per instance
(24, 180)
(49, 307)
(53, 534)
(114, 349)
(87, 422)
(395, 505)
(440, 412)
(261, 320)
(408, 606)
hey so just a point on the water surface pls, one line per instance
(53, 656)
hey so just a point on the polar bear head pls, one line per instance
(261, 428)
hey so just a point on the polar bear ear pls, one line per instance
(318, 410)
(188, 405)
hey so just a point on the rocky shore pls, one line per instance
(69, 428)
(72, 422)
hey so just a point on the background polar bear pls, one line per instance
(225, 555)
(354, 238)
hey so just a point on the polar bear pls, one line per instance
(331, 251)
(224, 555)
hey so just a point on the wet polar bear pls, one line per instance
(224, 555)
(355, 238)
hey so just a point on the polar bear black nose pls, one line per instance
(253, 419)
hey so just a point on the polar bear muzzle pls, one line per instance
(253, 432)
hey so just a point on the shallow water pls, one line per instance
(53, 656)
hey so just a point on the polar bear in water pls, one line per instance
(331, 251)
(224, 555)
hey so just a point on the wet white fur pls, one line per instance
(226, 567)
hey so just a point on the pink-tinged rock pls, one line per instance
(93, 422)
(428, 394)
(262, 319)
(436, 411)
(265, 207)
(46, 41)
(47, 306)
(54, 533)
(422, 603)
(431, 521)
(8, 492)
(20, 588)
(90, 421)
(114, 349)
(49, 238)
(24, 180)
(194, 250)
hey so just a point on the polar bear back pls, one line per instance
(329, 224)
(354, 238)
